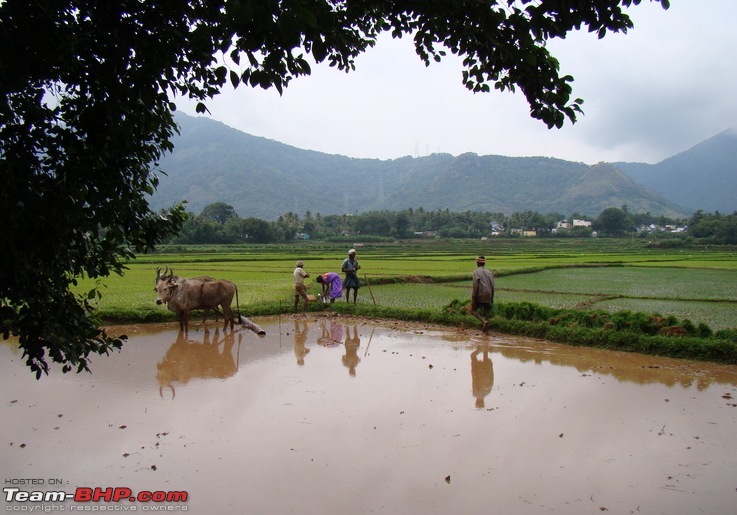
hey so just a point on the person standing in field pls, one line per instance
(482, 296)
(350, 267)
(331, 285)
(299, 286)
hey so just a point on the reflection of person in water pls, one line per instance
(482, 374)
(352, 343)
(300, 336)
(330, 337)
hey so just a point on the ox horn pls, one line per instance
(173, 392)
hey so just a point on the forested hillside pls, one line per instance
(262, 178)
(703, 177)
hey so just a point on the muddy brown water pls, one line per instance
(333, 415)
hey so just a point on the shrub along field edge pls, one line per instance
(629, 332)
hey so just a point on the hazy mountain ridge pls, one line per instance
(264, 178)
(703, 177)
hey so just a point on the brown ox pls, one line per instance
(169, 276)
(185, 295)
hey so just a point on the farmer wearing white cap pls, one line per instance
(350, 268)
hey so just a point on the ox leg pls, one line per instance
(228, 316)
(185, 322)
(207, 312)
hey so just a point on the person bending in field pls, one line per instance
(299, 286)
(332, 286)
(350, 268)
(482, 296)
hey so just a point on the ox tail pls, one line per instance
(238, 304)
(238, 351)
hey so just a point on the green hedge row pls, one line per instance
(622, 331)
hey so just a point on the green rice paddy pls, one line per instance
(698, 284)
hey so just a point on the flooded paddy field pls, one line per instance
(335, 415)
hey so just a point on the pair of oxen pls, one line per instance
(182, 296)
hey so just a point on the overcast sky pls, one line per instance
(663, 87)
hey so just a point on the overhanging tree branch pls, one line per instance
(85, 113)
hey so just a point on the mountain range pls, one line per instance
(703, 177)
(262, 178)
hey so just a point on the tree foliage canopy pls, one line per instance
(613, 222)
(219, 212)
(85, 112)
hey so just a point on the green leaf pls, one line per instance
(309, 17)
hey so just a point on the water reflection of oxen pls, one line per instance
(186, 360)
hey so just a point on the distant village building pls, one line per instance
(565, 224)
(523, 232)
(669, 228)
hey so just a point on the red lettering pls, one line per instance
(102, 495)
(177, 496)
(83, 494)
(121, 493)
